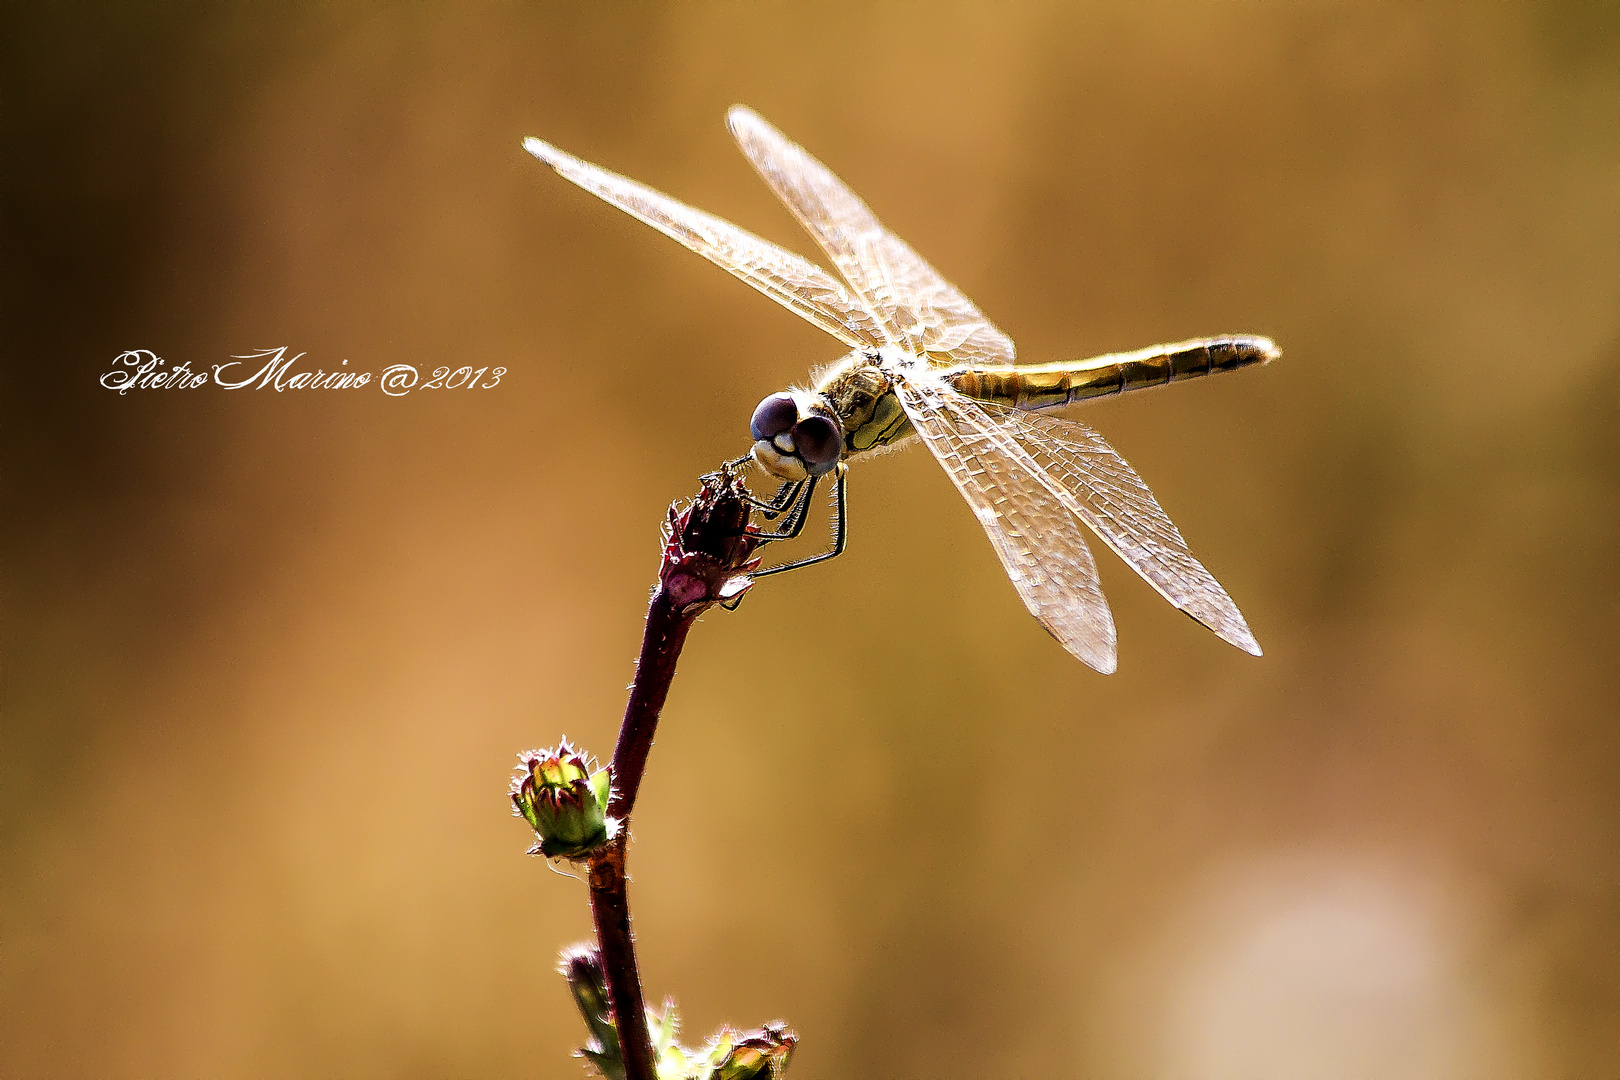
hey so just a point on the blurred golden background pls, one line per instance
(269, 657)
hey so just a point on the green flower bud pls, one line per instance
(761, 1054)
(556, 792)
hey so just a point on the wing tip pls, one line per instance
(1103, 658)
(542, 150)
(1225, 622)
(739, 116)
(1241, 637)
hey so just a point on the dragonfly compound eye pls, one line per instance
(819, 443)
(776, 414)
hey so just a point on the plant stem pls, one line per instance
(610, 911)
(661, 644)
(707, 547)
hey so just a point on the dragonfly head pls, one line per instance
(796, 435)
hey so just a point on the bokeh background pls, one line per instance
(268, 657)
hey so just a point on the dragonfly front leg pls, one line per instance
(785, 498)
(799, 512)
(794, 497)
(787, 493)
(795, 525)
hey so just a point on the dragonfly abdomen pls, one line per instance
(1050, 386)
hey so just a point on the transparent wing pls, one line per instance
(1040, 543)
(924, 312)
(1108, 495)
(790, 280)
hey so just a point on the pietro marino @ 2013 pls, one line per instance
(143, 369)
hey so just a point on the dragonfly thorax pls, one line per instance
(861, 394)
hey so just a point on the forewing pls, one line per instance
(1040, 543)
(1108, 495)
(924, 313)
(790, 280)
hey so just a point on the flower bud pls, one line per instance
(761, 1054)
(556, 792)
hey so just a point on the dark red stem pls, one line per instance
(707, 549)
(661, 646)
(610, 910)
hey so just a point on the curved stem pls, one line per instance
(661, 644)
(707, 549)
(610, 911)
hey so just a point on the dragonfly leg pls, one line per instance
(787, 493)
(840, 534)
(785, 497)
(797, 505)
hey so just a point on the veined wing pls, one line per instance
(790, 280)
(924, 312)
(1039, 542)
(1094, 482)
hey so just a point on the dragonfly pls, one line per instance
(925, 364)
